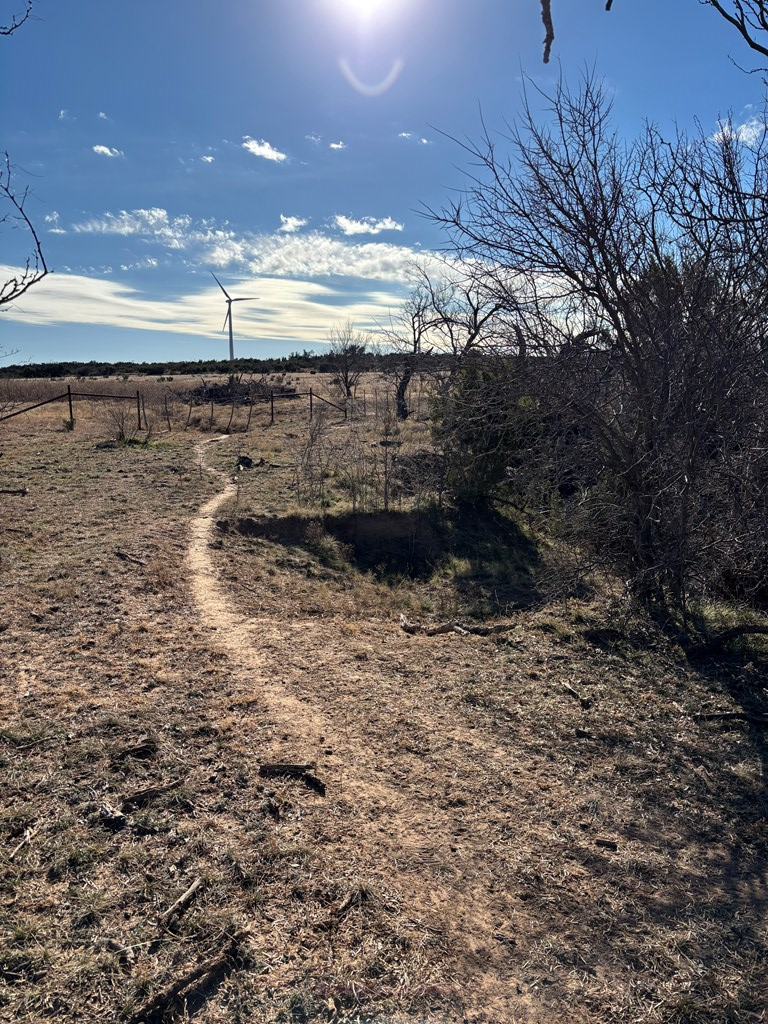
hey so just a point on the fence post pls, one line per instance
(69, 398)
(271, 405)
(310, 405)
(138, 409)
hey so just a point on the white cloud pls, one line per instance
(366, 225)
(263, 149)
(289, 225)
(283, 253)
(749, 132)
(103, 116)
(317, 139)
(63, 115)
(337, 145)
(405, 135)
(424, 142)
(207, 159)
(107, 151)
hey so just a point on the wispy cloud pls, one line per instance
(54, 220)
(107, 151)
(290, 225)
(207, 159)
(405, 135)
(337, 145)
(63, 115)
(148, 263)
(300, 311)
(316, 139)
(263, 149)
(103, 116)
(366, 225)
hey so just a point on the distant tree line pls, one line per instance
(336, 360)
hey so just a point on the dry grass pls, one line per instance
(531, 826)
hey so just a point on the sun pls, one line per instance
(363, 10)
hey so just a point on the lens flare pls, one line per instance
(371, 88)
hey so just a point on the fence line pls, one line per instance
(69, 394)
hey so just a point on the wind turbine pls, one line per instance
(228, 317)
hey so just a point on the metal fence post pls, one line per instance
(69, 399)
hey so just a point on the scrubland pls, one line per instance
(509, 799)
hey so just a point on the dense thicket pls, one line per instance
(638, 276)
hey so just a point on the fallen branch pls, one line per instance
(462, 628)
(584, 701)
(143, 796)
(719, 641)
(755, 719)
(26, 840)
(267, 770)
(129, 558)
(19, 491)
(155, 1010)
(182, 902)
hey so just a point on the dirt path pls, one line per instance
(395, 829)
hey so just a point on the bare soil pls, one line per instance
(528, 826)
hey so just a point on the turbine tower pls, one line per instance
(228, 317)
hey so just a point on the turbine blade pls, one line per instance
(226, 318)
(218, 282)
(250, 298)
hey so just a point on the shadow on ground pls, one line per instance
(489, 561)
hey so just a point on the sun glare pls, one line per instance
(362, 8)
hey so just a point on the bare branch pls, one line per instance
(17, 21)
(35, 267)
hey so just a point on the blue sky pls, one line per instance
(289, 146)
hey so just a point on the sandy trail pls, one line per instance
(397, 828)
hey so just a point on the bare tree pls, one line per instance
(638, 274)
(406, 335)
(348, 356)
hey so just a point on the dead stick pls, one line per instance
(156, 1006)
(286, 769)
(21, 491)
(142, 796)
(584, 701)
(182, 902)
(128, 558)
(28, 833)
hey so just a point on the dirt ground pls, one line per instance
(533, 825)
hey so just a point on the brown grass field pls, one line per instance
(536, 824)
